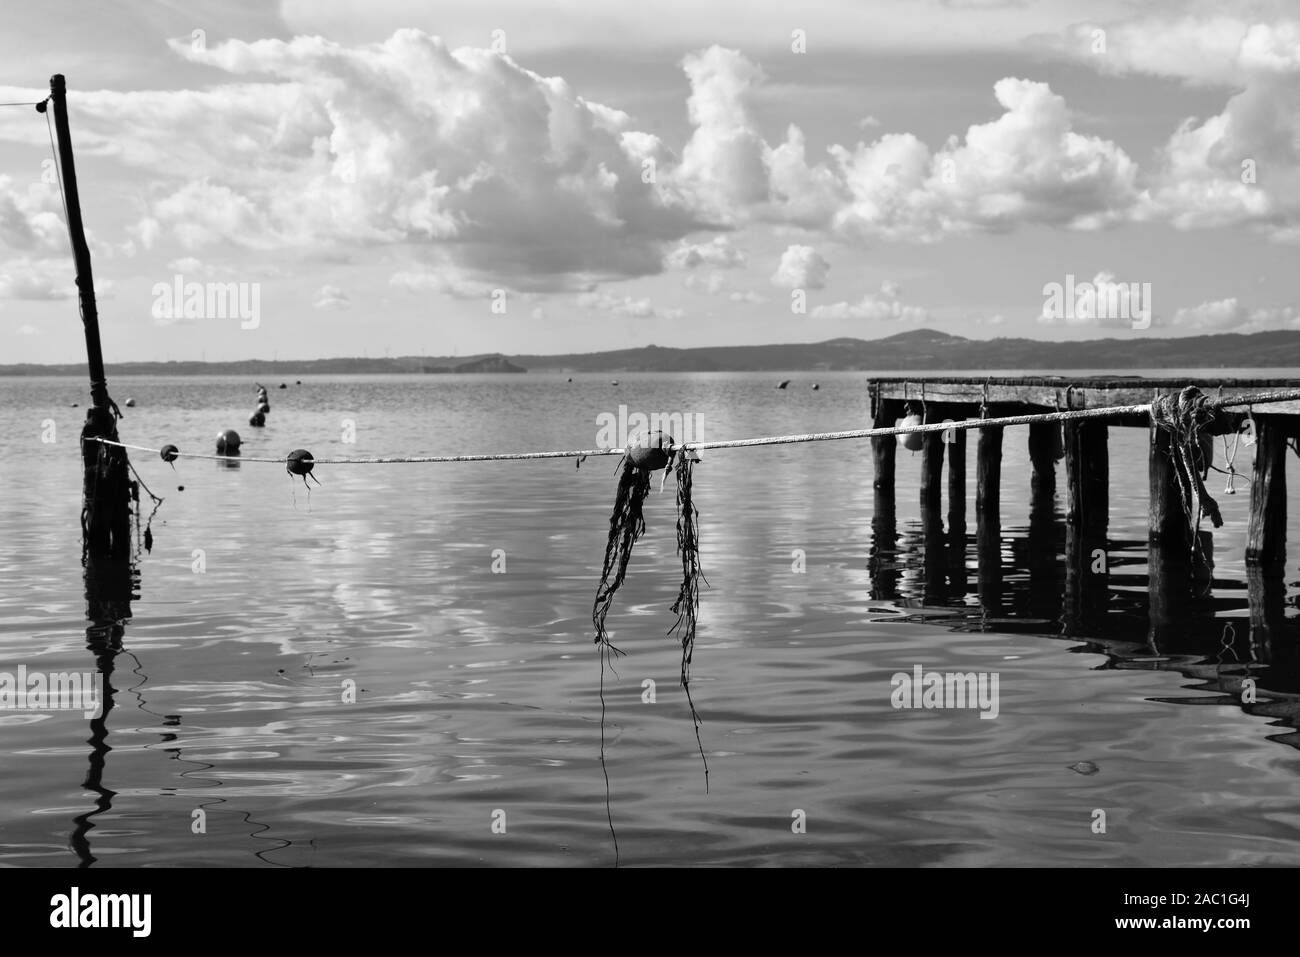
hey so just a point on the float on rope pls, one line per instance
(228, 442)
(301, 462)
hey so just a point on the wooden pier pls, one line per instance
(1179, 565)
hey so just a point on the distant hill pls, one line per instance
(284, 367)
(915, 350)
(927, 349)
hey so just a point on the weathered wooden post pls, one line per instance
(956, 476)
(1087, 562)
(884, 448)
(1266, 593)
(1044, 443)
(988, 516)
(106, 487)
(957, 511)
(1169, 539)
(882, 563)
(932, 473)
(1266, 536)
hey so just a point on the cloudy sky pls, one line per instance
(402, 177)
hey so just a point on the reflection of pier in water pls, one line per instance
(1061, 573)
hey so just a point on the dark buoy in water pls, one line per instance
(228, 442)
(180, 488)
(570, 378)
(169, 453)
(263, 408)
(297, 382)
(816, 386)
(300, 462)
(129, 403)
(74, 405)
(649, 452)
(783, 383)
(283, 386)
(257, 418)
(613, 382)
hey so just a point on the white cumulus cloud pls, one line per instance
(801, 267)
(882, 305)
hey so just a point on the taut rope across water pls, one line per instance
(1099, 412)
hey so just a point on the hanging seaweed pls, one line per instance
(1189, 421)
(687, 605)
(626, 526)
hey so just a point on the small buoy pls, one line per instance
(257, 418)
(263, 407)
(570, 378)
(650, 452)
(169, 453)
(912, 441)
(74, 405)
(283, 386)
(816, 386)
(299, 462)
(297, 382)
(130, 403)
(180, 488)
(783, 383)
(228, 442)
(613, 382)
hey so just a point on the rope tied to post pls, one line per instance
(1188, 417)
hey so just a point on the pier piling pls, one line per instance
(1087, 560)
(106, 486)
(1044, 443)
(988, 516)
(884, 448)
(1180, 568)
(1266, 536)
(932, 473)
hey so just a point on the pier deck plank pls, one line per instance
(1047, 393)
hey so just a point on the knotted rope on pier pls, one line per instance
(1188, 417)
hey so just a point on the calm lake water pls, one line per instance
(477, 692)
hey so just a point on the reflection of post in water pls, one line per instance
(882, 562)
(936, 565)
(1087, 562)
(110, 588)
(936, 556)
(988, 517)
